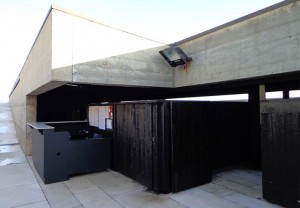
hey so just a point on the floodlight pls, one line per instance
(175, 56)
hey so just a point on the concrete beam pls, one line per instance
(264, 45)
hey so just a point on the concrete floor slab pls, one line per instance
(8, 138)
(96, 198)
(5, 116)
(10, 148)
(243, 178)
(80, 184)
(42, 204)
(11, 154)
(16, 175)
(7, 128)
(216, 189)
(115, 183)
(19, 188)
(236, 187)
(196, 197)
(20, 195)
(147, 200)
(59, 196)
(247, 201)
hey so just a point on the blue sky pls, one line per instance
(165, 21)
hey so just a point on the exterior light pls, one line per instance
(175, 56)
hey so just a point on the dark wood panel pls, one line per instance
(133, 142)
(190, 153)
(208, 136)
(281, 152)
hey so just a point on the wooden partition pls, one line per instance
(281, 151)
(173, 146)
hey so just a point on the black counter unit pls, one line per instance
(61, 149)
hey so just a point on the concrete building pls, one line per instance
(76, 61)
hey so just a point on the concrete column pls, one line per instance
(286, 94)
(31, 108)
(262, 92)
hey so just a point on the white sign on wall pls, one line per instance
(94, 116)
(99, 115)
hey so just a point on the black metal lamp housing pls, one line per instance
(175, 56)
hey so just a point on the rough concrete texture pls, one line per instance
(281, 106)
(264, 45)
(86, 51)
(143, 68)
(71, 48)
(35, 73)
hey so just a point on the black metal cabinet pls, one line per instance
(92, 155)
(51, 154)
(61, 149)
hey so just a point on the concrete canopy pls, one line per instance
(72, 48)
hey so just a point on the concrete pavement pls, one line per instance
(21, 186)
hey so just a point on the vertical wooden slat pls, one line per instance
(281, 152)
(133, 142)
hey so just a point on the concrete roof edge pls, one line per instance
(241, 19)
(18, 78)
(77, 14)
(86, 17)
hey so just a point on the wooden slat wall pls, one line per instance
(281, 151)
(208, 136)
(133, 142)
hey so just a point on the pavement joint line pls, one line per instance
(9, 144)
(73, 194)
(31, 167)
(110, 196)
(27, 204)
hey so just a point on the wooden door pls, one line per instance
(190, 149)
(132, 154)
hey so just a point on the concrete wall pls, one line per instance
(264, 45)
(73, 48)
(36, 72)
(86, 51)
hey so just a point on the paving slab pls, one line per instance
(80, 184)
(97, 198)
(5, 116)
(11, 154)
(59, 196)
(147, 200)
(247, 201)
(216, 189)
(196, 197)
(242, 178)
(10, 148)
(252, 191)
(7, 128)
(115, 183)
(16, 175)
(7, 140)
(18, 185)
(42, 204)
(20, 195)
